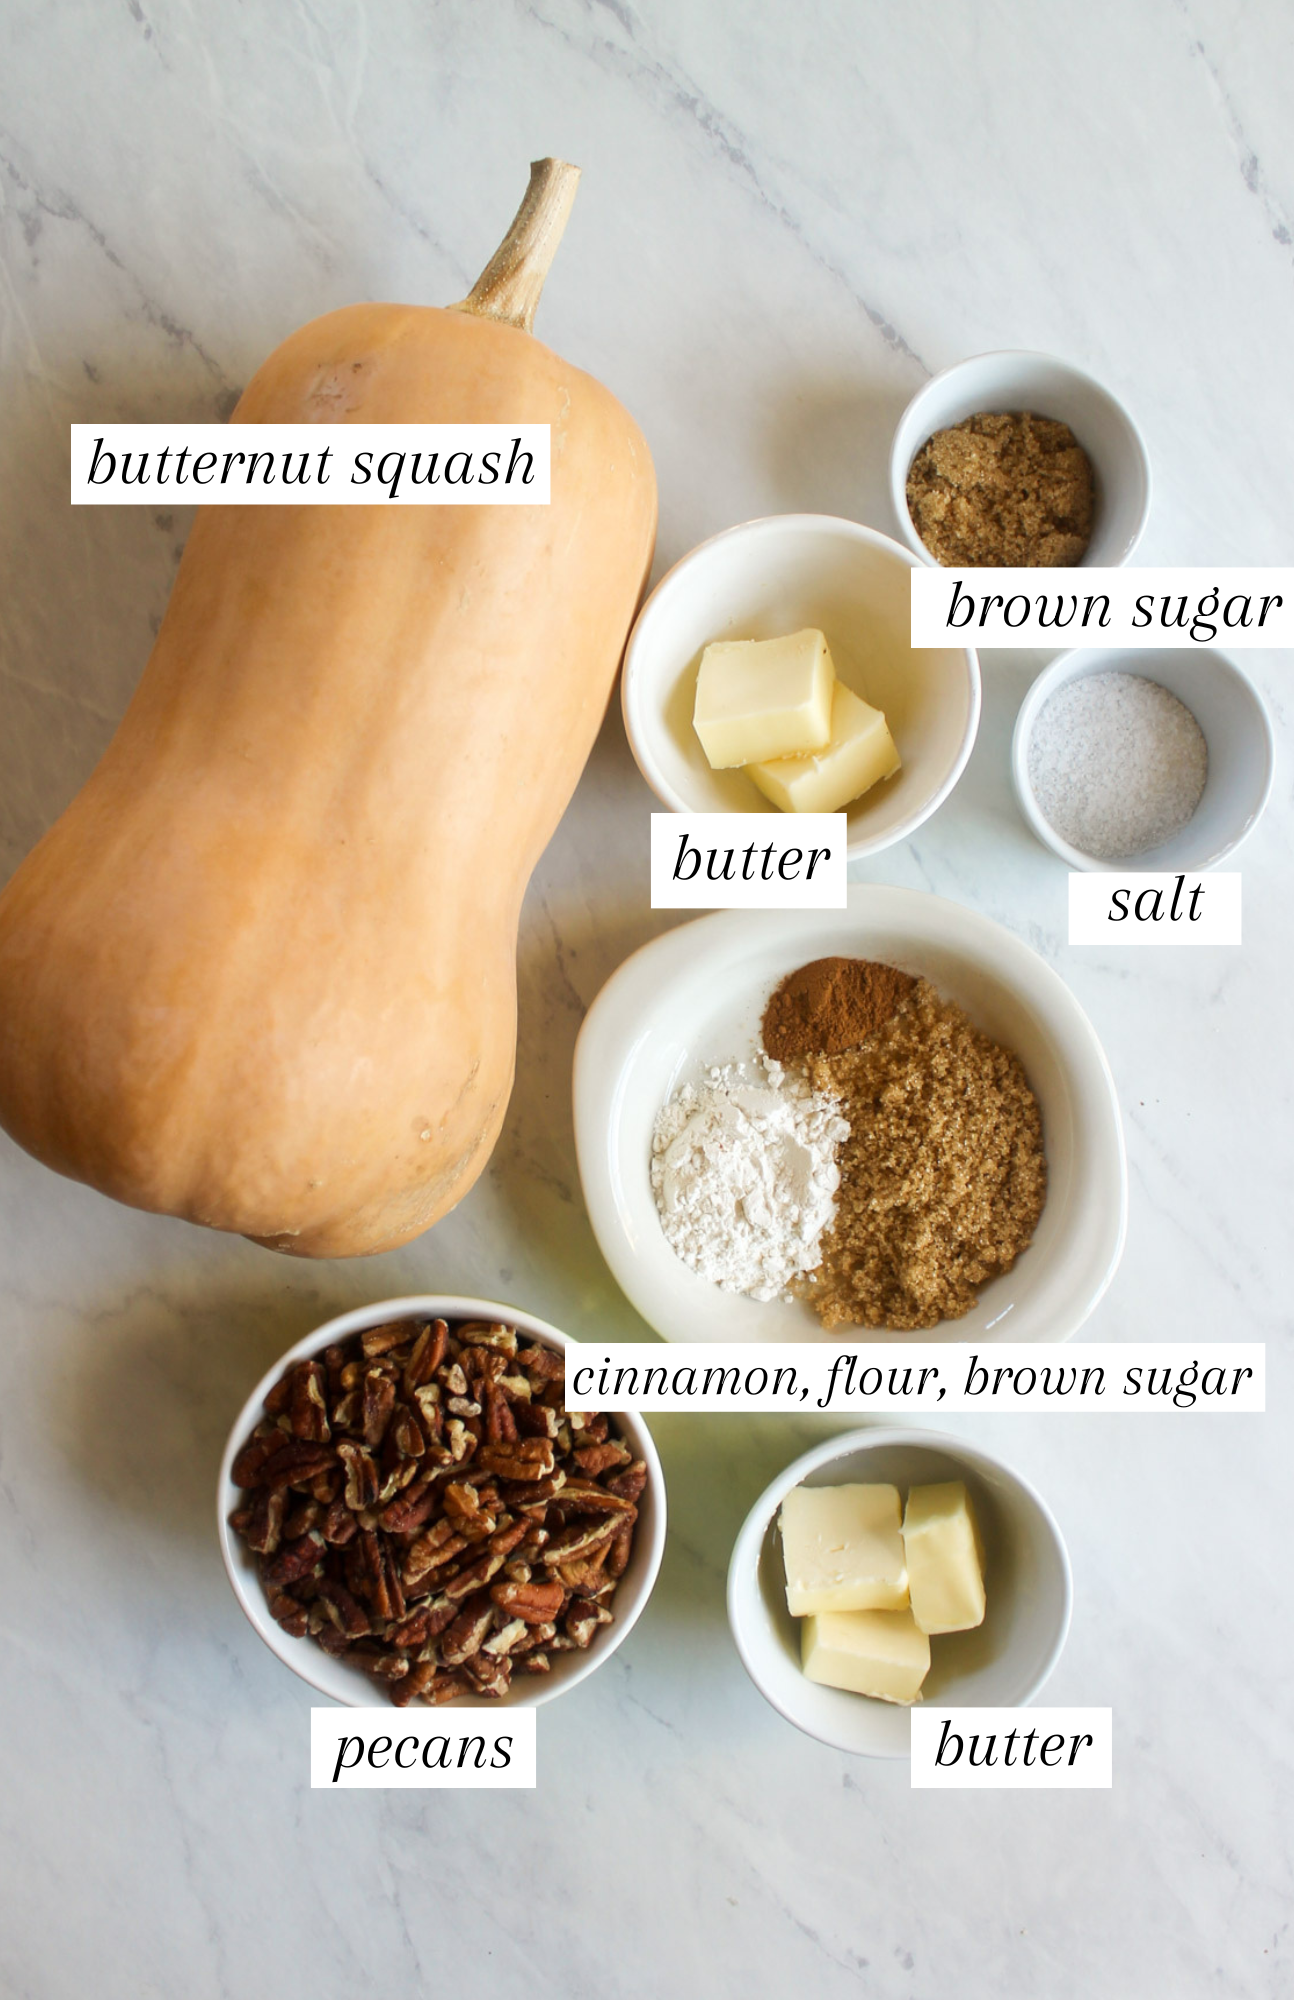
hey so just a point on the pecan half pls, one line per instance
(536, 1603)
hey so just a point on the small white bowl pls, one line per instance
(350, 1685)
(1039, 383)
(779, 575)
(695, 996)
(1002, 1664)
(1237, 730)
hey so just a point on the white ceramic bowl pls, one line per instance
(1016, 380)
(1002, 1664)
(694, 997)
(780, 575)
(1237, 729)
(350, 1685)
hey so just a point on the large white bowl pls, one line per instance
(1014, 379)
(779, 575)
(695, 996)
(1002, 1664)
(1237, 730)
(350, 1685)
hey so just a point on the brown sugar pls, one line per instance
(1003, 489)
(942, 1177)
(830, 1005)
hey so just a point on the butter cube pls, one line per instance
(843, 1549)
(945, 1558)
(861, 752)
(881, 1653)
(763, 698)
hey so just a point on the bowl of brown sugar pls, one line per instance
(1019, 460)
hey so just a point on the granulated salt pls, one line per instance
(1117, 764)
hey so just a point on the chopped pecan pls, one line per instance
(407, 1513)
(248, 1468)
(418, 1681)
(410, 1633)
(585, 1496)
(379, 1402)
(468, 1632)
(474, 1576)
(534, 1663)
(536, 1635)
(629, 1484)
(618, 1554)
(508, 1535)
(295, 1559)
(265, 1527)
(298, 1463)
(431, 1551)
(459, 1439)
(452, 1379)
(480, 1333)
(362, 1485)
(522, 1461)
(503, 1641)
(339, 1524)
(293, 1617)
(534, 1420)
(582, 1621)
(593, 1459)
(388, 1594)
(308, 1410)
(447, 1687)
(301, 1519)
(544, 1364)
(536, 1603)
(428, 1353)
(405, 1436)
(347, 1613)
(377, 1340)
(577, 1543)
(489, 1675)
(348, 1411)
(500, 1424)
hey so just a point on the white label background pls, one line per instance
(344, 441)
(756, 843)
(1218, 922)
(934, 590)
(330, 1727)
(1091, 1770)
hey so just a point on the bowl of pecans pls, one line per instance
(408, 1512)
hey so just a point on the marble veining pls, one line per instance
(790, 216)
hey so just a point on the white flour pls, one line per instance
(744, 1172)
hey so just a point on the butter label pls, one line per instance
(1012, 1749)
(749, 861)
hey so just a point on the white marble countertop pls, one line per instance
(789, 216)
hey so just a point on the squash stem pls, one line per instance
(509, 286)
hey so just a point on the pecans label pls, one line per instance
(483, 1749)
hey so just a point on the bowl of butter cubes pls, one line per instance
(772, 670)
(891, 1567)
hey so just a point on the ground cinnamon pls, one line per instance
(831, 1005)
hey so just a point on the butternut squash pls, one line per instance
(261, 974)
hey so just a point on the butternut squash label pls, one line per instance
(311, 465)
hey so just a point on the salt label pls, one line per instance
(1154, 909)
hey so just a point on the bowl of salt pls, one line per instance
(1159, 759)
